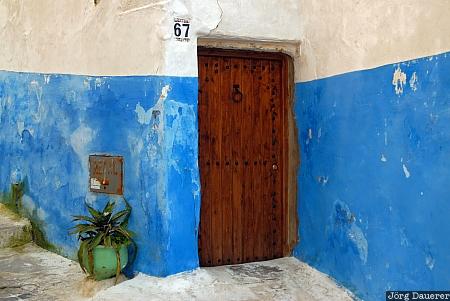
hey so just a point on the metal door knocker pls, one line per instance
(237, 94)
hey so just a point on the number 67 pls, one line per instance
(177, 29)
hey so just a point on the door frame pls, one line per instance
(290, 160)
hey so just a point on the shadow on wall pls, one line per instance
(374, 176)
(52, 123)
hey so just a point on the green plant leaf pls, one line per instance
(119, 268)
(80, 254)
(96, 240)
(95, 214)
(107, 241)
(83, 218)
(124, 232)
(121, 214)
(83, 228)
(91, 261)
(109, 207)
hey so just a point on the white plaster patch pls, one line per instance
(164, 92)
(99, 82)
(413, 81)
(429, 261)
(310, 136)
(357, 237)
(47, 78)
(79, 140)
(383, 158)
(34, 85)
(144, 116)
(20, 127)
(406, 171)
(86, 84)
(399, 80)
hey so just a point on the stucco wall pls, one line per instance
(372, 141)
(343, 36)
(51, 123)
(134, 37)
(373, 192)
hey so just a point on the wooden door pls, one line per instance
(241, 156)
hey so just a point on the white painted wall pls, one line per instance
(134, 37)
(74, 36)
(341, 36)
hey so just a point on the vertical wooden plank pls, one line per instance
(247, 146)
(227, 185)
(290, 222)
(258, 209)
(204, 163)
(276, 159)
(236, 154)
(265, 162)
(215, 150)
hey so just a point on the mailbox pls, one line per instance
(106, 174)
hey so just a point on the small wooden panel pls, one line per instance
(106, 174)
(241, 134)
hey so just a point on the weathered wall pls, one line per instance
(343, 36)
(372, 180)
(373, 191)
(51, 123)
(116, 37)
(373, 143)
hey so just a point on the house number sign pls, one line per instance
(181, 29)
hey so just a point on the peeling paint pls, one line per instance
(144, 116)
(399, 80)
(49, 131)
(413, 81)
(406, 171)
(429, 261)
(402, 202)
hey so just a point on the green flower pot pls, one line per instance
(105, 261)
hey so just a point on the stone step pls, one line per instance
(14, 230)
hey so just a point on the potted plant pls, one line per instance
(104, 240)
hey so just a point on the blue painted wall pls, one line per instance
(374, 181)
(372, 186)
(51, 123)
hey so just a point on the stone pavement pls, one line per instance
(14, 230)
(282, 279)
(31, 273)
(28, 272)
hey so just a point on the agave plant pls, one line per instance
(103, 228)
